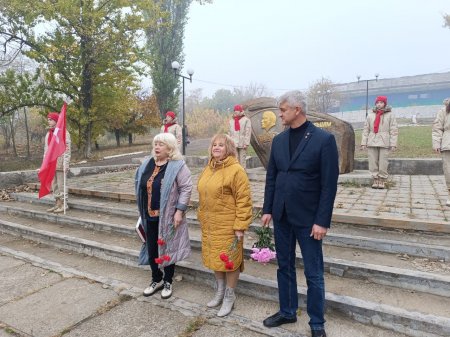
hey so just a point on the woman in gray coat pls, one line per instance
(163, 188)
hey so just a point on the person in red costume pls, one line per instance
(171, 125)
(62, 166)
(240, 130)
(379, 136)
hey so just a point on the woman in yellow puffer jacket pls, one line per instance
(225, 212)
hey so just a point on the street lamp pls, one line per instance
(176, 67)
(367, 89)
(324, 93)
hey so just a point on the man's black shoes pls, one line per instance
(318, 333)
(277, 320)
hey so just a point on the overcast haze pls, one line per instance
(289, 44)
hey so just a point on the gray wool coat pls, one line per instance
(176, 192)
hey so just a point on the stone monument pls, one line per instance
(266, 124)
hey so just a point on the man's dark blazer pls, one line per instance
(305, 185)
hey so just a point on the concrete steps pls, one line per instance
(189, 295)
(434, 245)
(409, 311)
(397, 319)
(406, 224)
(398, 275)
(388, 268)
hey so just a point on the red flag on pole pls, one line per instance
(56, 148)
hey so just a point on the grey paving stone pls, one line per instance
(9, 262)
(359, 207)
(417, 205)
(134, 319)
(53, 309)
(3, 333)
(371, 207)
(211, 330)
(22, 280)
(371, 202)
(418, 211)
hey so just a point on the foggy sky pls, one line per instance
(289, 44)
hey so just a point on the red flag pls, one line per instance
(56, 148)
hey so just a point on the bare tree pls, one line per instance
(253, 90)
(322, 96)
(9, 52)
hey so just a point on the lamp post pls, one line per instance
(176, 67)
(367, 89)
(324, 93)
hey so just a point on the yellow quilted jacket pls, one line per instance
(225, 205)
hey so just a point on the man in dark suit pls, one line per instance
(301, 185)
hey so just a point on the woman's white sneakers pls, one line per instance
(167, 290)
(156, 286)
(153, 288)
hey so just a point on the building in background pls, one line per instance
(419, 95)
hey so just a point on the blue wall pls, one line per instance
(413, 98)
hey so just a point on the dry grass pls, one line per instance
(193, 326)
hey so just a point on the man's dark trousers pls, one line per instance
(287, 234)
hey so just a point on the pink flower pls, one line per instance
(166, 257)
(263, 255)
(161, 242)
(159, 260)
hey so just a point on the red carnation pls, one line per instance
(229, 265)
(224, 257)
(161, 242)
(166, 257)
(159, 260)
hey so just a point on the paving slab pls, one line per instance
(23, 280)
(133, 319)
(51, 310)
(209, 330)
(247, 308)
(3, 333)
(8, 262)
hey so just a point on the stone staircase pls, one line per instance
(381, 279)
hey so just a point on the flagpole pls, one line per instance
(64, 185)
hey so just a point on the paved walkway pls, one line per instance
(411, 197)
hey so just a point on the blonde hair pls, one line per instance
(171, 142)
(230, 147)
